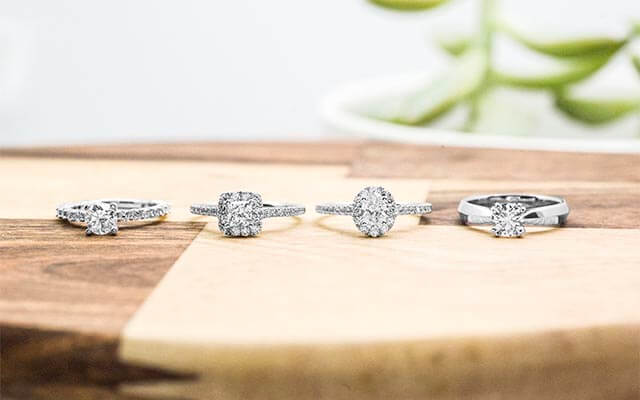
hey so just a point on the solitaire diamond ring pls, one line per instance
(374, 210)
(509, 213)
(241, 213)
(102, 216)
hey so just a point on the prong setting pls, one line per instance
(101, 218)
(507, 219)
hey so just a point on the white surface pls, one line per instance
(79, 71)
(142, 70)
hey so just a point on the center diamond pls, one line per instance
(507, 219)
(239, 213)
(374, 211)
(101, 218)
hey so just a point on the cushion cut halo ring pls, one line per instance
(102, 216)
(374, 210)
(509, 213)
(240, 214)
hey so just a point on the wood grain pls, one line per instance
(376, 159)
(292, 316)
(576, 365)
(54, 277)
(47, 364)
(303, 152)
(386, 160)
(65, 299)
(310, 309)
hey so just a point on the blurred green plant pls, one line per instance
(570, 61)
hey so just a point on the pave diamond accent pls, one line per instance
(374, 211)
(281, 211)
(204, 209)
(335, 209)
(239, 213)
(413, 209)
(101, 218)
(507, 219)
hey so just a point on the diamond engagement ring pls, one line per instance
(241, 213)
(374, 210)
(508, 213)
(102, 216)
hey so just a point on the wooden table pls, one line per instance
(311, 309)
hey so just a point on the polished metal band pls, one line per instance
(540, 209)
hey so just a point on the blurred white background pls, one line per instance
(79, 71)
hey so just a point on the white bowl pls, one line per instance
(337, 105)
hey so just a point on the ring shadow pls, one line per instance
(265, 232)
(129, 224)
(321, 222)
(539, 231)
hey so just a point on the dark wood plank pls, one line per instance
(50, 364)
(597, 207)
(65, 299)
(56, 278)
(385, 160)
(277, 152)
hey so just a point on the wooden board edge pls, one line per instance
(52, 364)
(587, 363)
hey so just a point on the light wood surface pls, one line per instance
(311, 309)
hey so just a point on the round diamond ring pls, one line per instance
(509, 213)
(102, 216)
(241, 213)
(374, 210)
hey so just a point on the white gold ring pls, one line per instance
(509, 213)
(241, 213)
(102, 216)
(374, 210)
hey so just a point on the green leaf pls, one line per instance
(556, 72)
(438, 97)
(408, 5)
(454, 44)
(595, 111)
(635, 59)
(563, 47)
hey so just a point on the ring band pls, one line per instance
(374, 210)
(102, 216)
(241, 213)
(267, 210)
(508, 213)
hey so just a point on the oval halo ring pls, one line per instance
(374, 210)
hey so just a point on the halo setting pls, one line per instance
(374, 211)
(239, 213)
